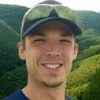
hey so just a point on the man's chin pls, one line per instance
(52, 85)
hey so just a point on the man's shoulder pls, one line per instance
(18, 95)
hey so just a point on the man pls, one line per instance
(48, 46)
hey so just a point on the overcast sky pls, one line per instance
(93, 5)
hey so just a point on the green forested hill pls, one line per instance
(14, 80)
(8, 36)
(89, 20)
(12, 15)
(85, 41)
(8, 48)
(84, 82)
(86, 53)
(91, 51)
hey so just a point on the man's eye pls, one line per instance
(65, 41)
(39, 40)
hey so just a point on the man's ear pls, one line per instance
(76, 48)
(21, 50)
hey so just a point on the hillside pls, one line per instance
(9, 37)
(12, 15)
(14, 80)
(81, 81)
(8, 48)
(86, 53)
(89, 20)
(91, 51)
(86, 40)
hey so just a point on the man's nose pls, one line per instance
(53, 53)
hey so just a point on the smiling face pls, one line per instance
(49, 54)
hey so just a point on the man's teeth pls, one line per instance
(53, 66)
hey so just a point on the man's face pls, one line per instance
(49, 55)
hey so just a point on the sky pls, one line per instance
(93, 5)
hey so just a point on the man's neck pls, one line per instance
(35, 92)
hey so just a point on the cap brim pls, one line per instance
(76, 30)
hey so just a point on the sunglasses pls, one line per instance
(46, 10)
(42, 11)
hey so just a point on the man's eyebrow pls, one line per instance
(67, 34)
(37, 33)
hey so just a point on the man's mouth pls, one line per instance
(52, 66)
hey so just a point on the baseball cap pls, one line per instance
(45, 11)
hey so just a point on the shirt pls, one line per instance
(19, 95)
